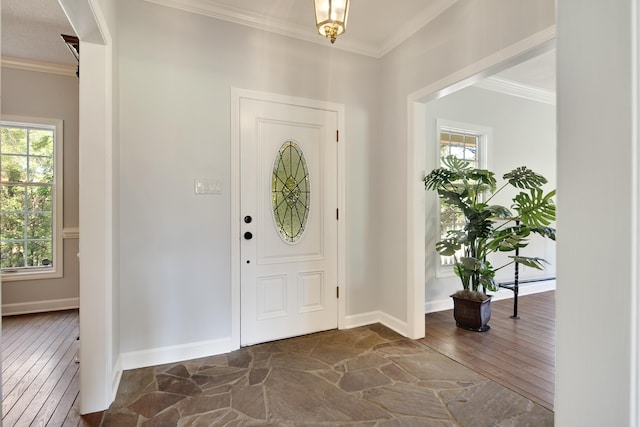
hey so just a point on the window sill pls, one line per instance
(40, 274)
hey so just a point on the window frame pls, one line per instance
(56, 269)
(485, 136)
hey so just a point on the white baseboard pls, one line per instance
(178, 353)
(39, 306)
(117, 376)
(174, 354)
(372, 317)
(362, 319)
(525, 289)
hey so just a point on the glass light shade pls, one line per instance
(331, 17)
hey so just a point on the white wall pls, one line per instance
(598, 164)
(523, 134)
(52, 96)
(462, 36)
(176, 74)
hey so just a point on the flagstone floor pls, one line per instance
(368, 376)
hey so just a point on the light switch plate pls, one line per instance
(208, 186)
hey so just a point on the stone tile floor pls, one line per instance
(368, 376)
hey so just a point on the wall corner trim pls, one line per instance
(373, 317)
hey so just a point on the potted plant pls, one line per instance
(488, 228)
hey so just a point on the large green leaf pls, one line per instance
(524, 177)
(470, 263)
(476, 273)
(479, 224)
(498, 211)
(483, 179)
(507, 242)
(488, 282)
(456, 164)
(548, 232)
(459, 200)
(535, 208)
(533, 262)
(448, 247)
(439, 178)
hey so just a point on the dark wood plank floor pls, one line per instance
(40, 376)
(519, 354)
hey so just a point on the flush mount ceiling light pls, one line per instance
(331, 17)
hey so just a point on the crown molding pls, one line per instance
(509, 87)
(38, 66)
(257, 21)
(413, 26)
(297, 31)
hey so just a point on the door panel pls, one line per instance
(287, 287)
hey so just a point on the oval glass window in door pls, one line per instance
(290, 192)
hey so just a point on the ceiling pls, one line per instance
(538, 72)
(31, 28)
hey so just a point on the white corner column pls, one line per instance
(96, 237)
(95, 204)
(598, 223)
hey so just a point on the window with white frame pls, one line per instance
(467, 142)
(30, 198)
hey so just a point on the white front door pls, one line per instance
(289, 231)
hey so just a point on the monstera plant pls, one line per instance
(490, 228)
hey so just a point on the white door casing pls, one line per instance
(287, 288)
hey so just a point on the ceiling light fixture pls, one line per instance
(331, 17)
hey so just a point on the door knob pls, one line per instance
(248, 235)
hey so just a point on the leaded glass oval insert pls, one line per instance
(290, 192)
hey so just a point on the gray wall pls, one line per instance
(176, 74)
(35, 94)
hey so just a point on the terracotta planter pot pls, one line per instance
(472, 315)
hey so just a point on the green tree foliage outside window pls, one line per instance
(26, 196)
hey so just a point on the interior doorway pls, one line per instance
(417, 165)
(513, 117)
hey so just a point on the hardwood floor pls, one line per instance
(519, 354)
(40, 376)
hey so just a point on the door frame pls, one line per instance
(416, 159)
(236, 95)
